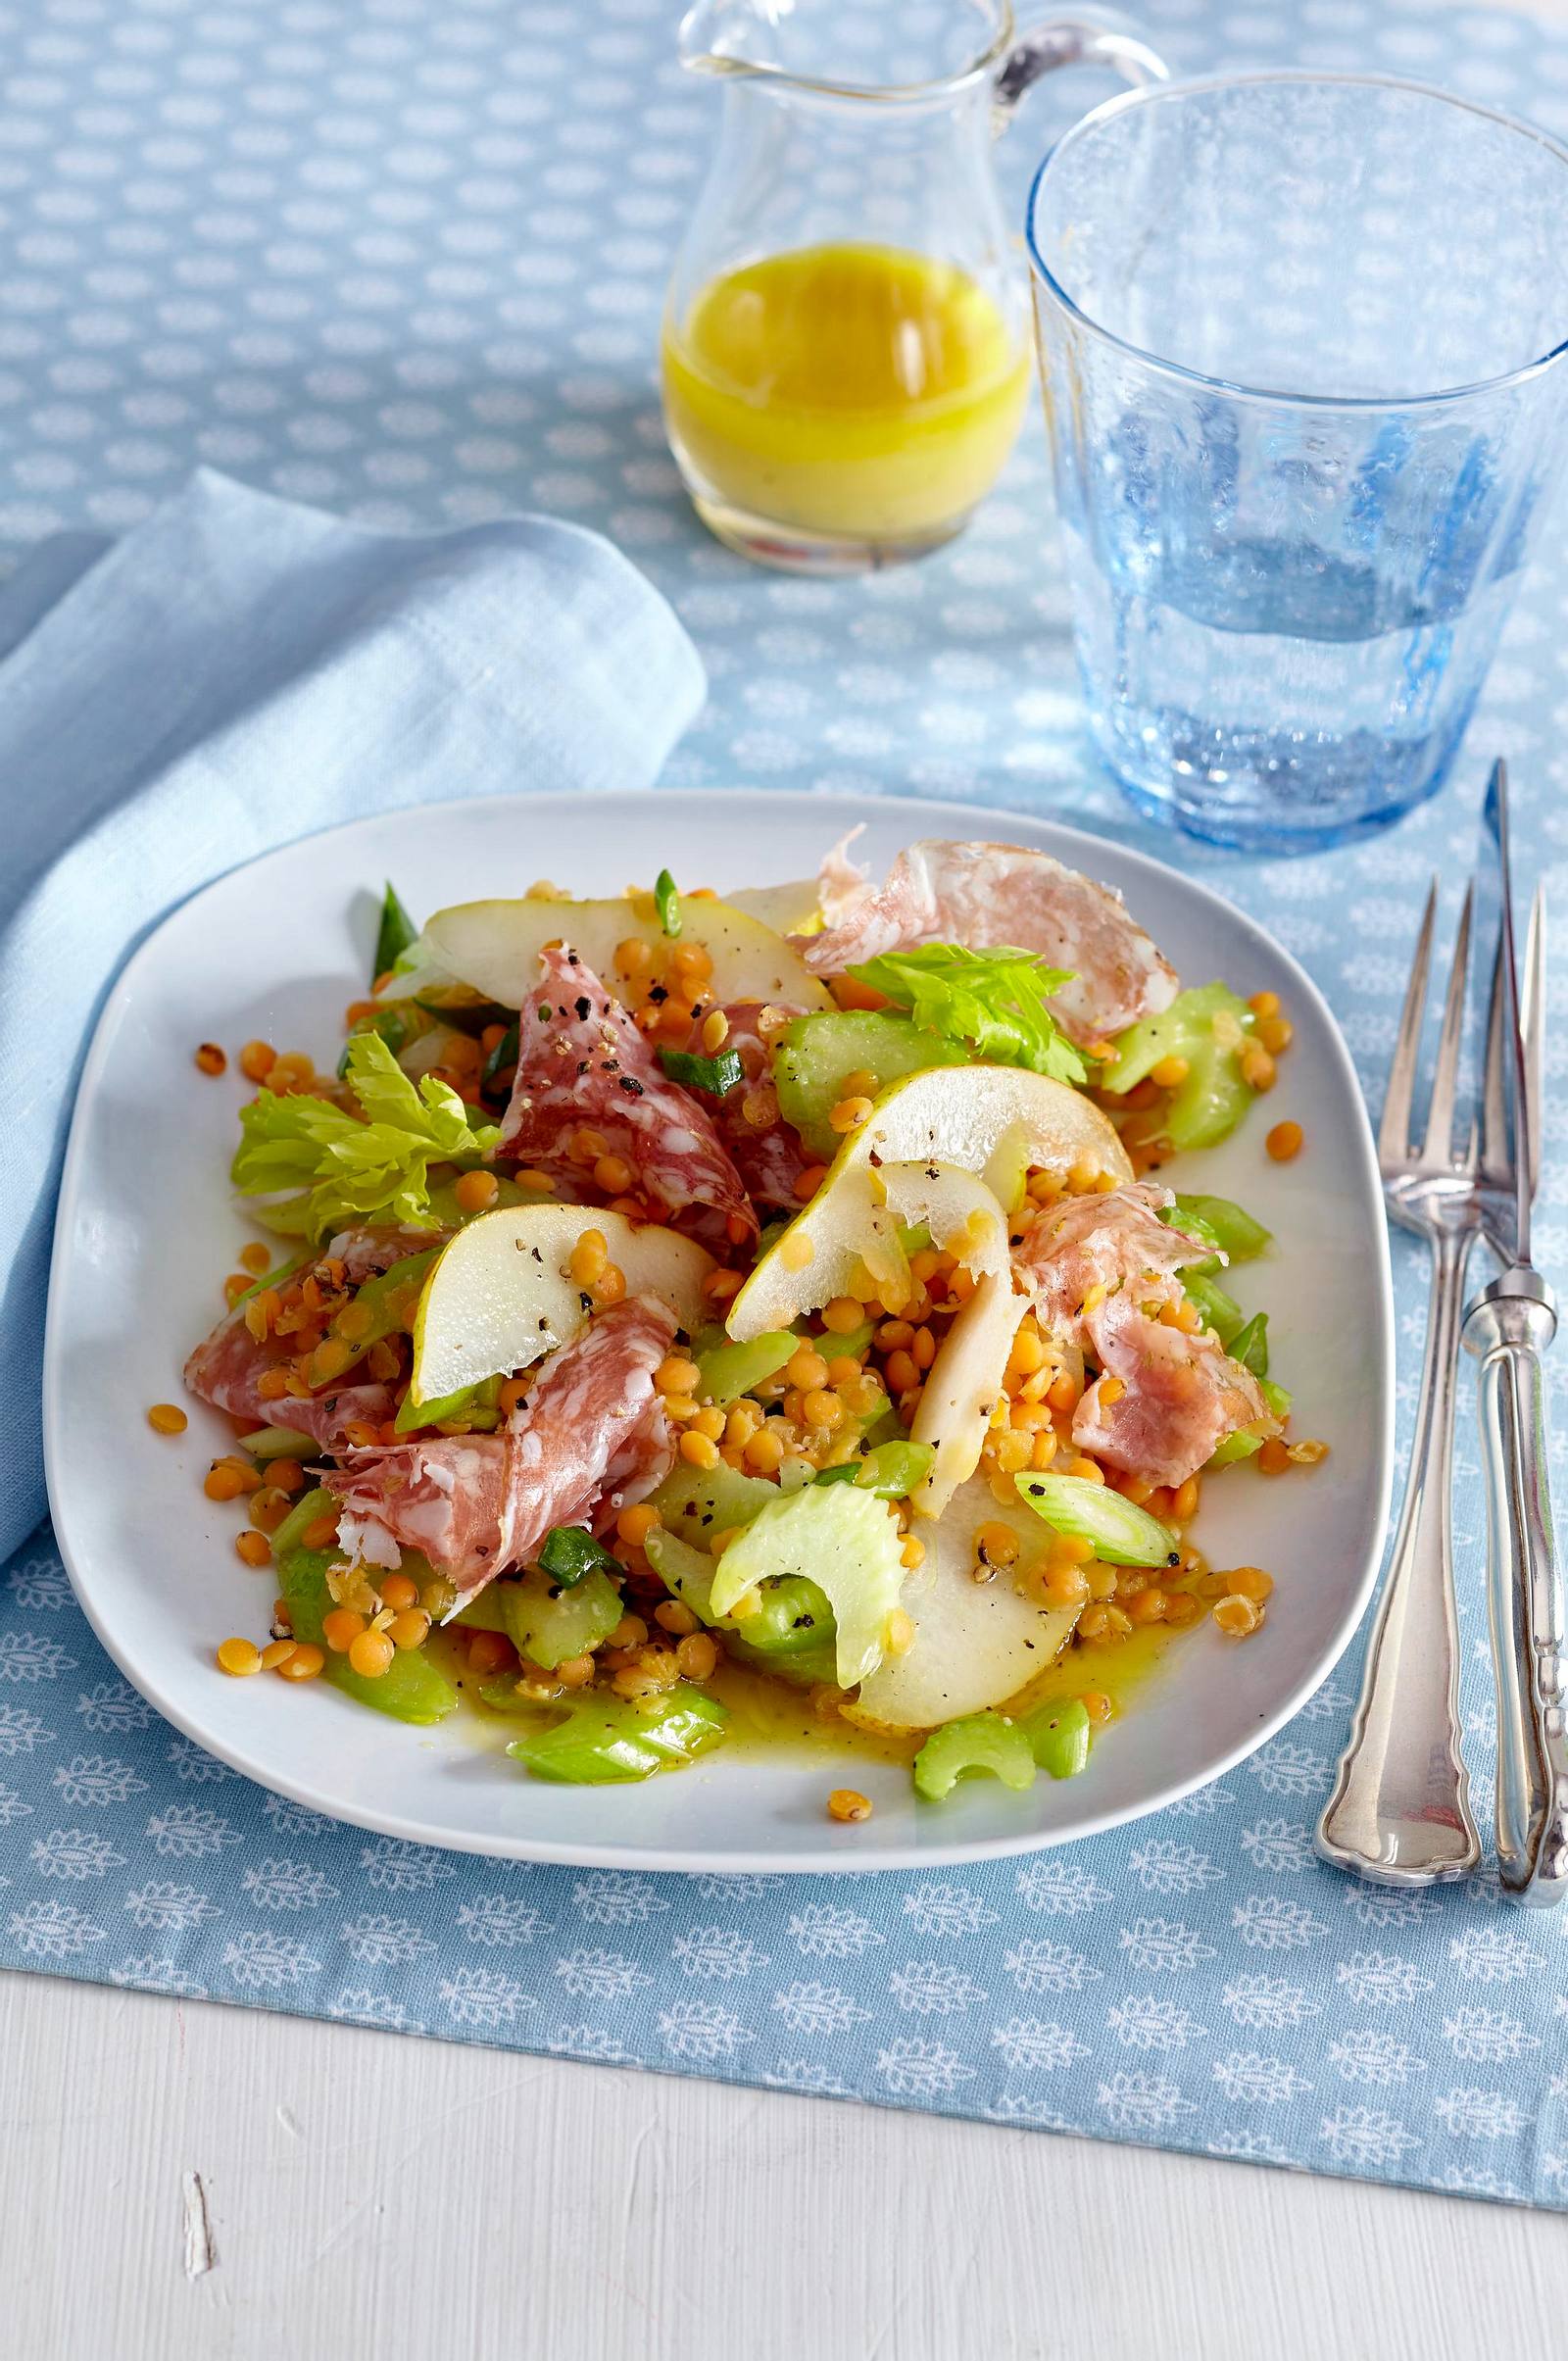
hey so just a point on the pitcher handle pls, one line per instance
(1073, 41)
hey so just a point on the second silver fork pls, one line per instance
(1399, 1812)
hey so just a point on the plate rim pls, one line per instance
(968, 819)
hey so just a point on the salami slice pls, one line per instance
(1181, 1395)
(764, 1150)
(591, 1410)
(1113, 1241)
(365, 1251)
(444, 1494)
(227, 1369)
(583, 1065)
(992, 897)
(589, 1436)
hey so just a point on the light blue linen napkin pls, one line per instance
(237, 671)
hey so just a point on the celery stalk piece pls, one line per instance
(977, 1743)
(501, 1695)
(1208, 1106)
(487, 1611)
(892, 1470)
(478, 1405)
(842, 1539)
(547, 1621)
(281, 1443)
(1244, 1443)
(698, 1502)
(814, 1057)
(1250, 1345)
(727, 1371)
(600, 1744)
(792, 1615)
(410, 1690)
(1222, 1223)
(1058, 1736)
(1221, 1312)
(1117, 1528)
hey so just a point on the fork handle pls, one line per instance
(1508, 1327)
(1401, 1812)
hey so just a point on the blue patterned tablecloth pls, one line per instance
(405, 258)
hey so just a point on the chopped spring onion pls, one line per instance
(570, 1552)
(667, 902)
(717, 1075)
(976, 1742)
(1117, 1528)
(396, 932)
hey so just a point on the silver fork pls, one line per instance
(1401, 1809)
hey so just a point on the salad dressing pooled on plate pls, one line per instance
(858, 390)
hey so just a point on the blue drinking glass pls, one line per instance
(1301, 340)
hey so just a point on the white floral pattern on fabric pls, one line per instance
(426, 293)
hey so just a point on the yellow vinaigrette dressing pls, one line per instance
(861, 391)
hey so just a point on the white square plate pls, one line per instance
(147, 1229)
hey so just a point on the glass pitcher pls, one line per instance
(844, 347)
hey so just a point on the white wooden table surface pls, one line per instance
(180, 2180)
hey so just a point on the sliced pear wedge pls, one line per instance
(500, 1295)
(791, 909)
(980, 1118)
(965, 1378)
(963, 1389)
(976, 1643)
(495, 946)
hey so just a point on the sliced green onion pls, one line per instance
(1117, 1528)
(667, 902)
(718, 1075)
(570, 1552)
(396, 932)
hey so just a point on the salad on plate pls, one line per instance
(690, 1307)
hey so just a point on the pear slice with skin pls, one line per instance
(791, 909)
(964, 1380)
(982, 1119)
(976, 1643)
(494, 947)
(500, 1295)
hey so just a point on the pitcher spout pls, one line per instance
(731, 36)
